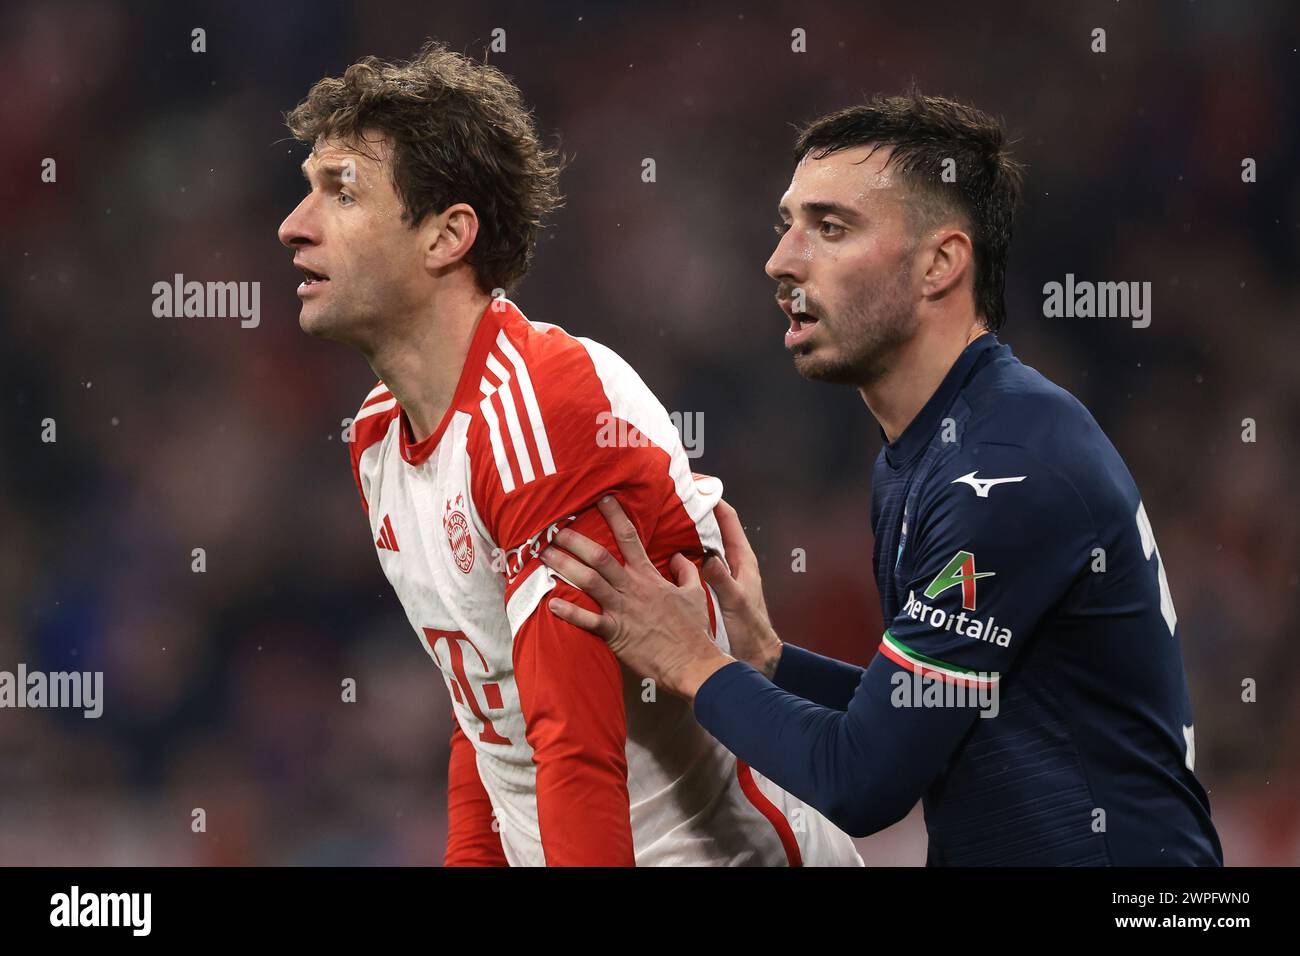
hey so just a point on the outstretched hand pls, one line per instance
(656, 628)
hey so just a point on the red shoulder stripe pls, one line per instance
(369, 427)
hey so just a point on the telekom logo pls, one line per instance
(462, 688)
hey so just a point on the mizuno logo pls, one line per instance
(982, 485)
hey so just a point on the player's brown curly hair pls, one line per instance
(460, 132)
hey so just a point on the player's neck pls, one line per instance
(421, 361)
(897, 396)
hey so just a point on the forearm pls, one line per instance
(583, 813)
(864, 767)
(571, 694)
(813, 677)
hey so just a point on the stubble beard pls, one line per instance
(342, 319)
(870, 331)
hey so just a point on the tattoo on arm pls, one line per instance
(770, 662)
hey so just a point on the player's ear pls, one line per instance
(449, 236)
(950, 257)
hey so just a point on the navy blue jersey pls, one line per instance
(1029, 686)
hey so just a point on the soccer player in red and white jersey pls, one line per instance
(484, 437)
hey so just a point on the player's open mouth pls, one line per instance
(801, 325)
(311, 280)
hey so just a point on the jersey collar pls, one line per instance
(918, 434)
(499, 312)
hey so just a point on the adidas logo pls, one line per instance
(387, 541)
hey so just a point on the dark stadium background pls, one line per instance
(223, 688)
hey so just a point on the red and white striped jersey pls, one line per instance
(560, 756)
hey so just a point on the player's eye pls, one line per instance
(345, 199)
(830, 229)
(781, 228)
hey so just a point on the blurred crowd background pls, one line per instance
(222, 689)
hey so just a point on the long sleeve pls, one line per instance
(864, 767)
(819, 679)
(571, 691)
(575, 423)
(471, 838)
(984, 574)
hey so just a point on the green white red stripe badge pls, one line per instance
(918, 663)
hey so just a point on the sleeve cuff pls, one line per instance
(719, 697)
(796, 667)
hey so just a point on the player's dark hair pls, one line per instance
(460, 132)
(924, 132)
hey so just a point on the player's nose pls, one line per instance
(785, 261)
(298, 229)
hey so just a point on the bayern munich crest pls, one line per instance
(458, 534)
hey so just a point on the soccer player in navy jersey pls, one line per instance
(1029, 686)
